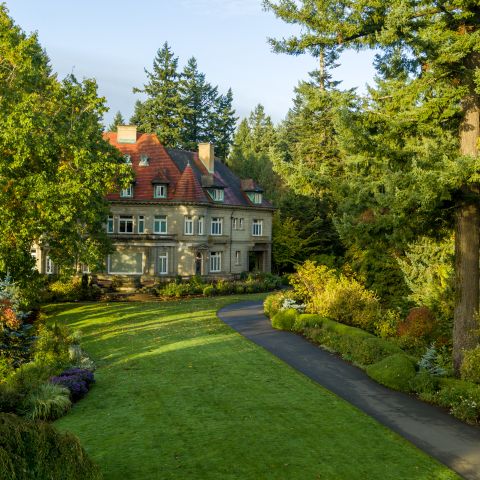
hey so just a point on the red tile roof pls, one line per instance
(188, 188)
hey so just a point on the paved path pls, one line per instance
(445, 438)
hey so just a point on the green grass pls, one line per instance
(179, 395)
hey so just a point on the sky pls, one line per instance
(114, 41)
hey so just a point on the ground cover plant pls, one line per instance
(181, 395)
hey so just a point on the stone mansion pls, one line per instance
(185, 214)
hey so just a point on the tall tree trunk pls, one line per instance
(467, 245)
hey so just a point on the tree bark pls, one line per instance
(467, 245)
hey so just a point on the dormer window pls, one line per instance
(143, 161)
(255, 197)
(216, 194)
(127, 192)
(160, 191)
(128, 159)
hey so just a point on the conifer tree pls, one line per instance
(414, 149)
(162, 112)
(117, 120)
(222, 124)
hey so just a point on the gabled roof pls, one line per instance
(182, 171)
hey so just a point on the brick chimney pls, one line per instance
(126, 133)
(206, 155)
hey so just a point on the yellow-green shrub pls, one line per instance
(273, 303)
(470, 369)
(307, 320)
(284, 319)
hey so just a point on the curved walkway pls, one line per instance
(431, 429)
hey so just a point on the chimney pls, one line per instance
(207, 156)
(126, 133)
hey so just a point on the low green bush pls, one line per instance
(10, 399)
(32, 449)
(52, 345)
(209, 290)
(284, 319)
(30, 376)
(462, 398)
(343, 329)
(425, 385)
(273, 303)
(470, 369)
(396, 372)
(307, 320)
(48, 402)
(369, 350)
(223, 287)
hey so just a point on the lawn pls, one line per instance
(179, 395)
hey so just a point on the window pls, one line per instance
(127, 192)
(215, 262)
(163, 263)
(110, 224)
(160, 191)
(201, 225)
(49, 269)
(143, 161)
(128, 159)
(141, 224)
(188, 226)
(216, 194)
(216, 227)
(85, 268)
(127, 262)
(255, 197)
(160, 224)
(125, 224)
(234, 223)
(257, 228)
(240, 223)
(238, 257)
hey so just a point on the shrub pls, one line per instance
(387, 324)
(209, 290)
(65, 290)
(10, 399)
(78, 388)
(240, 288)
(80, 373)
(341, 329)
(284, 319)
(369, 350)
(31, 449)
(429, 363)
(223, 287)
(425, 384)
(470, 369)
(176, 289)
(419, 324)
(307, 320)
(30, 376)
(273, 303)
(396, 372)
(461, 397)
(48, 402)
(52, 345)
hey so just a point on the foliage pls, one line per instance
(54, 164)
(396, 371)
(289, 303)
(419, 326)
(273, 303)
(31, 449)
(52, 345)
(77, 387)
(461, 397)
(209, 290)
(29, 376)
(386, 325)
(117, 120)
(48, 402)
(307, 320)
(425, 385)
(71, 289)
(430, 364)
(285, 319)
(470, 369)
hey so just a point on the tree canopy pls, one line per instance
(55, 167)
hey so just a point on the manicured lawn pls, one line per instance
(181, 396)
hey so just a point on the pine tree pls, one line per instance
(222, 124)
(414, 148)
(162, 112)
(117, 120)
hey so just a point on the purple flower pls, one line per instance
(78, 388)
(81, 373)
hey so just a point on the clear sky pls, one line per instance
(113, 41)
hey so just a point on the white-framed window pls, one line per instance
(49, 267)
(240, 223)
(143, 161)
(125, 262)
(128, 159)
(160, 191)
(238, 257)
(201, 225)
(85, 268)
(127, 192)
(257, 228)
(110, 225)
(217, 194)
(235, 223)
(125, 224)
(257, 198)
(160, 224)
(215, 262)
(141, 224)
(163, 263)
(188, 229)
(216, 226)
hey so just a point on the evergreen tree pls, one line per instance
(413, 151)
(117, 120)
(163, 111)
(222, 124)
